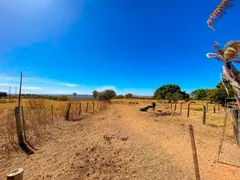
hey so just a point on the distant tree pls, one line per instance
(170, 92)
(219, 94)
(129, 95)
(95, 94)
(119, 97)
(200, 94)
(107, 95)
(74, 95)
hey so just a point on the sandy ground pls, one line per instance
(124, 143)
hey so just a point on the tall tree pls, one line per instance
(170, 92)
(226, 55)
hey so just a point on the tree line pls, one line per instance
(173, 92)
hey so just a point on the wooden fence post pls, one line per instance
(175, 107)
(204, 115)
(23, 124)
(87, 108)
(16, 174)
(80, 109)
(214, 109)
(180, 108)
(18, 126)
(236, 124)
(68, 111)
(73, 110)
(194, 152)
(188, 110)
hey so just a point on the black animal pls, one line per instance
(147, 107)
(3, 94)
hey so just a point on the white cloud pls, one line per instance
(103, 88)
(48, 86)
(8, 79)
(5, 84)
(31, 88)
(68, 84)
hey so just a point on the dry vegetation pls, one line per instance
(40, 117)
(196, 111)
(119, 143)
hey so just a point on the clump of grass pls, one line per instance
(197, 109)
(8, 138)
(38, 119)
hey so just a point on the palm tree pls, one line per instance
(226, 55)
(219, 12)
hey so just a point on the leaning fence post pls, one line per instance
(87, 108)
(188, 109)
(214, 109)
(204, 115)
(23, 124)
(180, 108)
(236, 124)
(194, 152)
(16, 174)
(67, 111)
(175, 107)
(73, 110)
(18, 126)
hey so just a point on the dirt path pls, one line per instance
(122, 143)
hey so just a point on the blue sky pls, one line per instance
(66, 46)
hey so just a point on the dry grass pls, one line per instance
(196, 111)
(40, 116)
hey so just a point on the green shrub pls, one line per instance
(62, 98)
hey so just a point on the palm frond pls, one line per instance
(216, 56)
(237, 60)
(216, 47)
(219, 12)
(234, 44)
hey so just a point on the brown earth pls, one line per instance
(124, 143)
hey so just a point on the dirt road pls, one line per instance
(122, 143)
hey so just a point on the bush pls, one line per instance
(129, 95)
(62, 98)
(119, 97)
(107, 95)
